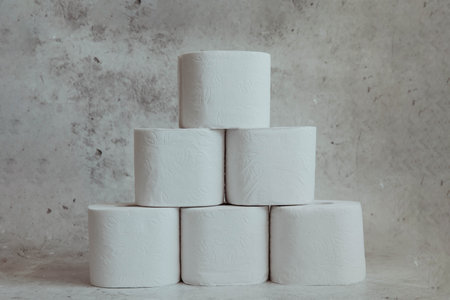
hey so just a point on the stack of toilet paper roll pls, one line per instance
(214, 197)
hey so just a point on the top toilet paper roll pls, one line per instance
(224, 89)
(272, 166)
(179, 167)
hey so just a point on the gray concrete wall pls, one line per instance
(77, 76)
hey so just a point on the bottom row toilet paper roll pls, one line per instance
(224, 245)
(321, 243)
(133, 246)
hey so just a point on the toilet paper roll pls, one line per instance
(132, 246)
(224, 245)
(224, 89)
(179, 167)
(321, 243)
(271, 166)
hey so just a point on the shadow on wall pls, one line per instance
(62, 273)
(53, 271)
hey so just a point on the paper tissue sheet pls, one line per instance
(132, 246)
(179, 167)
(321, 243)
(224, 89)
(224, 245)
(271, 166)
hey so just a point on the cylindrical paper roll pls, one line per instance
(179, 167)
(224, 89)
(224, 245)
(321, 243)
(271, 166)
(132, 246)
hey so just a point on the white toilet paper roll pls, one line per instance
(179, 167)
(224, 89)
(224, 245)
(132, 246)
(321, 243)
(270, 166)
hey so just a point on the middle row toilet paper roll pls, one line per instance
(270, 166)
(179, 167)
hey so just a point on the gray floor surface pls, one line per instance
(58, 276)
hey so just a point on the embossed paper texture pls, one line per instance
(224, 89)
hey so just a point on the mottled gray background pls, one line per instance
(77, 76)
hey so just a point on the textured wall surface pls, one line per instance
(374, 76)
